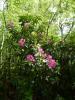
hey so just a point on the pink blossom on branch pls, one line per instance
(21, 42)
(30, 58)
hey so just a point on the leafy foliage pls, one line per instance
(29, 26)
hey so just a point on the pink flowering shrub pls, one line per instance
(36, 62)
(43, 58)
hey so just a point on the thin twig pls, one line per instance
(61, 29)
(69, 31)
(50, 21)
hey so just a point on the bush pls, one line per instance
(36, 67)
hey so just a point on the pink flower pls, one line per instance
(49, 57)
(52, 63)
(21, 42)
(30, 58)
(40, 50)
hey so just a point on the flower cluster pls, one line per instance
(21, 42)
(51, 62)
(30, 58)
(40, 53)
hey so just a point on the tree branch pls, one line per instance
(50, 21)
(69, 31)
